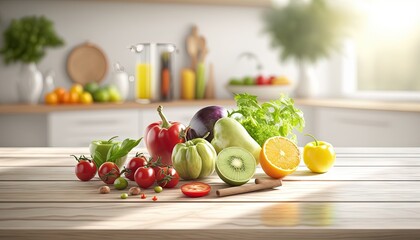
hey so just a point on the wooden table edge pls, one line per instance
(244, 234)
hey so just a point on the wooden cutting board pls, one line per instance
(87, 63)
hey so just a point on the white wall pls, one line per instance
(114, 25)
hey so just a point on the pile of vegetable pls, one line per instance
(228, 143)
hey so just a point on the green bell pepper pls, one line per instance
(194, 159)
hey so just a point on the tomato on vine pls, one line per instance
(167, 177)
(138, 161)
(157, 164)
(108, 172)
(85, 169)
(145, 177)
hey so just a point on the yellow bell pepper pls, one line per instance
(318, 156)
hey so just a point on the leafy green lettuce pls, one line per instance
(274, 118)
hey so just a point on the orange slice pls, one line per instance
(279, 157)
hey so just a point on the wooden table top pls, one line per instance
(371, 193)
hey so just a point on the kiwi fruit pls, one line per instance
(235, 166)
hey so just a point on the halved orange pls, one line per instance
(279, 157)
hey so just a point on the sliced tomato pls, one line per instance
(195, 189)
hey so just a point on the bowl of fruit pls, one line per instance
(267, 88)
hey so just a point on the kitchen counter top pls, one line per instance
(42, 108)
(318, 102)
(371, 193)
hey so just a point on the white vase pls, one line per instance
(30, 84)
(308, 86)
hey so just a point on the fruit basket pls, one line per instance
(264, 92)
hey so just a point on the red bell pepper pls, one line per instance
(161, 137)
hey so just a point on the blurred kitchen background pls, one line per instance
(362, 92)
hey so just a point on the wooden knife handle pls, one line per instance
(263, 184)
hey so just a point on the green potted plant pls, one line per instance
(306, 32)
(25, 41)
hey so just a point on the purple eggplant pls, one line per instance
(203, 122)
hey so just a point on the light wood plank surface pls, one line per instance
(258, 215)
(356, 191)
(371, 193)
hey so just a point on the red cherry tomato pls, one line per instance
(156, 164)
(157, 170)
(85, 169)
(261, 80)
(167, 177)
(145, 177)
(195, 189)
(138, 161)
(108, 172)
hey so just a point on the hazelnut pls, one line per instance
(104, 190)
(134, 191)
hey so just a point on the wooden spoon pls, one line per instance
(193, 46)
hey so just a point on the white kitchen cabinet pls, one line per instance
(367, 128)
(79, 128)
(21, 130)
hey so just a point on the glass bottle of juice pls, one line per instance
(166, 51)
(153, 71)
(145, 76)
(143, 81)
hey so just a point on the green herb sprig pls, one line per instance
(274, 118)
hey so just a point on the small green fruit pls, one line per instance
(91, 87)
(101, 95)
(114, 94)
(248, 81)
(235, 81)
(158, 189)
(120, 183)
